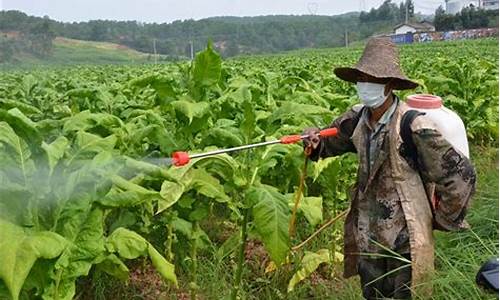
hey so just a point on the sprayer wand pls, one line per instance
(181, 158)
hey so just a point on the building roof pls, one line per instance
(421, 25)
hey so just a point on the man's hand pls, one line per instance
(313, 137)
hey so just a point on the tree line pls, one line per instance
(468, 18)
(231, 35)
(23, 33)
(390, 11)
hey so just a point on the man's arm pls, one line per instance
(341, 143)
(450, 170)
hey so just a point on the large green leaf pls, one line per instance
(170, 193)
(22, 125)
(165, 268)
(154, 170)
(90, 143)
(224, 166)
(221, 165)
(81, 93)
(19, 249)
(270, 156)
(55, 150)
(207, 185)
(114, 267)
(311, 207)
(130, 245)
(249, 121)
(310, 262)
(23, 165)
(126, 243)
(182, 226)
(86, 120)
(94, 143)
(229, 246)
(28, 83)
(9, 136)
(296, 111)
(322, 165)
(83, 227)
(189, 178)
(191, 109)
(128, 198)
(271, 217)
(207, 67)
(127, 194)
(23, 107)
(163, 86)
(138, 135)
(223, 137)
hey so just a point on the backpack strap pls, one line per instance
(358, 116)
(410, 153)
(410, 150)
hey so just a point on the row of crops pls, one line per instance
(84, 185)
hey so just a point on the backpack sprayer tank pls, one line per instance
(447, 121)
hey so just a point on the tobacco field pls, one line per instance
(87, 193)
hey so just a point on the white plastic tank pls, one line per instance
(447, 121)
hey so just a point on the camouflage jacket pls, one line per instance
(450, 172)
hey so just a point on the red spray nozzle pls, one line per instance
(180, 158)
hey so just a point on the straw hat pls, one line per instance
(380, 60)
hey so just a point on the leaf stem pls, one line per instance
(298, 196)
(170, 237)
(194, 260)
(241, 255)
(58, 281)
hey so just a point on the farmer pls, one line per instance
(390, 220)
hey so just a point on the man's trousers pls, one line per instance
(385, 277)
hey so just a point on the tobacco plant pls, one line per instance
(85, 183)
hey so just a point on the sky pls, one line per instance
(161, 11)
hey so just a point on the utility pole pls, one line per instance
(346, 38)
(191, 49)
(406, 10)
(191, 33)
(154, 50)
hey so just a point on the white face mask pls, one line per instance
(371, 94)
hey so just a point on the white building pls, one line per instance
(489, 4)
(414, 27)
(455, 6)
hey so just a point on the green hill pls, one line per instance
(70, 52)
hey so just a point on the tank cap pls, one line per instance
(424, 101)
